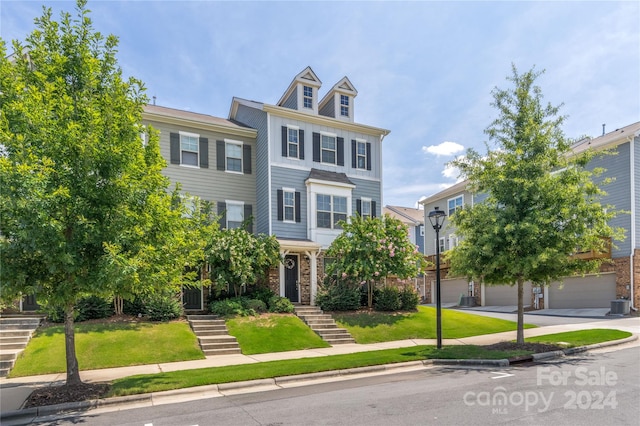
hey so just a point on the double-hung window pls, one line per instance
(289, 205)
(455, 204)
(235, 215)
(189, 149)
(330, 210)
(366, 208)
(233, 157)
(328, 149)
(344, 106)
(292, 142)
(361, 155)
(307, 98)
(442, 243)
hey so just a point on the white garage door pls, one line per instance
(451, 290)
(506, 295)
(583, 292)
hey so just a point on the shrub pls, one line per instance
(256, 305)
(163, 308)
(409, 299)
(133, 307)
(93, 307)
(281, 305)
(388, 299)
(364, 296)
(262, 293)
(338, 296)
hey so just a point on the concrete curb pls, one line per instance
(148, 399)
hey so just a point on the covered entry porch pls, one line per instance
(296, 278)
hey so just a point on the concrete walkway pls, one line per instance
(13, 392)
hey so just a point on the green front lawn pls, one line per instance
(373, 327)
(108, 345)
(273, 333)
(581, 338)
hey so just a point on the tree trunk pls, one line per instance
(118, 305)
(73, 373)
(370, 286)
(520, 333)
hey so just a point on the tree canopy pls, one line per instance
(369, 249)
(541, 202)
(84, 207)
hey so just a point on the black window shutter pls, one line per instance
(368, 155)
(285, 141)
(220, 155)
(174, 148)
(246, 159)
(301, 144)
(222, 212)
(354, 153)
(373, 209)
(298, 219)
(248, 212)
(359, 206)
(204, 153)
(316, 147)
(340, 151)
(280, 205)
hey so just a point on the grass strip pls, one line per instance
(264, 370)
(581, 337)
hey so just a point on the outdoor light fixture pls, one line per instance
(436, 217)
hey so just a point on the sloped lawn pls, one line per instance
(273, 333)
(374, 327)
(104, 345)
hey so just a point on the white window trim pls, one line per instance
(366, 200)
(325, 236)
(284, 209)
(455, 198)
(340, 95)
(193, 135)
(298, 130)
(362, 141)
(226, 156)
(313, 96)
(335, 137)
(233, 203)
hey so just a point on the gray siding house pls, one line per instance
(619, 278)
(314, 166)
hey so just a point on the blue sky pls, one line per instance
(424, 70)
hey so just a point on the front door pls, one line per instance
(29, 303)
(192, 298)
(291, 278)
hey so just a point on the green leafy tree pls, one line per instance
(238, 258)
(85, 210)
(369, 249)
(542, 203)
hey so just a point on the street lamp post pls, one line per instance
(436, 217)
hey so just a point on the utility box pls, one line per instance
(619, 307)
(467, 301)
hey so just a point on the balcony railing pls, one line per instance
(594, 254)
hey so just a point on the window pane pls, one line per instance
(329, 157)
(338, 217)
(324, 202)
(189, 143)
(293, 150)
(328, 142)
(366, 208)
(235, 215)
(190, 158)
(344, 100)
(324, 220)
(293, 136)
(340, 204)
(234, 150)
(234, 164)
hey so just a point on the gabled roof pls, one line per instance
(307, 77)
(165, 114)
(344, 86)
(406, 214)
(608, 140)
(317, 174)
(458, 188)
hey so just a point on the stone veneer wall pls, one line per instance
(636, 278)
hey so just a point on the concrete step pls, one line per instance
(9, 345)
(225, 351)
(16, 333)
(4, 372)
(210, 346)
(17, 320)
(337, 332)
(202, 317)
(6, 364)
(340, 341)
(12, 327)
(206, 333)
(13, 339)
(208, 327)
(324, 321)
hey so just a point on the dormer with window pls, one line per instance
(302, 93)
(338, 103)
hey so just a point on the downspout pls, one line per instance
(269, 215)
(633, 217)
(381, 180)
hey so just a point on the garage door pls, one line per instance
(583, 292)
(451, 290)
(506, 295)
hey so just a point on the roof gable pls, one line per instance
(306, 77)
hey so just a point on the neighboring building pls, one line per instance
(296, 168)
(619, 278)
(413, 218)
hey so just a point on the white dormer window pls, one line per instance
(344, 106)
(307, 97)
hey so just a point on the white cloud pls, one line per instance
(445, 149)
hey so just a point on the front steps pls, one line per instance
(324, 325)
(15, 333)
(212, 335)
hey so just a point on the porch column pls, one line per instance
(313, 271)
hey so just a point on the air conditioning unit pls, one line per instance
(619, 307)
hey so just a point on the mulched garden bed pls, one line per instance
(52, 395)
